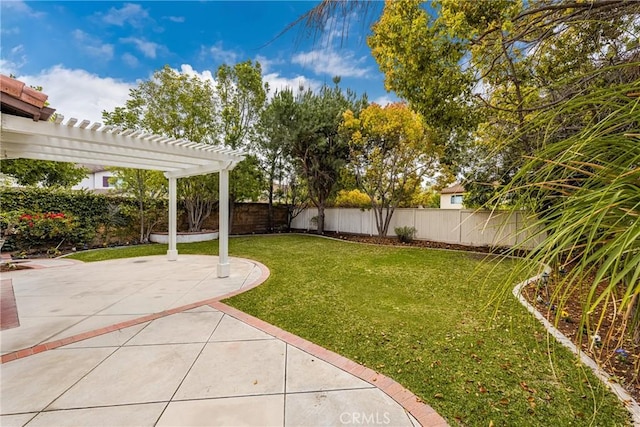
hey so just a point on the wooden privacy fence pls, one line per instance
(457, 226)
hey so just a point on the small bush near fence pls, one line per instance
(406, 234)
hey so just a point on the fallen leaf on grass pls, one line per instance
(525, 387)
(532, 402)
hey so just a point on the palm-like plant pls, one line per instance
(584, 187)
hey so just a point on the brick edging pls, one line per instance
(424, 413)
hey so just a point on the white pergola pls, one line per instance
(83, 142)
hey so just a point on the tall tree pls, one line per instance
(317, 146)
(242, 97)
(391, 152)
(275, 132)
(180, 106)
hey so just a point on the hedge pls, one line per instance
(90, 209)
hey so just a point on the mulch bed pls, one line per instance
(393, 241)
(615, 351)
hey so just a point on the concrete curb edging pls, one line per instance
(626, 399)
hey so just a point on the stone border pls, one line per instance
(627, 400)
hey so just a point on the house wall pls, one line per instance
(445, 201)
(98, 179)
(93, 181)
(457, 226)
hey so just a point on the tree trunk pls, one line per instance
(379, 224)
(387, 220)
(141, 206)
(320, 218)
(270, 211)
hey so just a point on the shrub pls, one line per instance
(49, 228)
(405, 234)
(352, 199)
(89, 211)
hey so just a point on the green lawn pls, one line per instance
(419, 317)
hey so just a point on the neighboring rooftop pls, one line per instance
(21, 100)
(454, 189)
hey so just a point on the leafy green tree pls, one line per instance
(30, 172)
(352, 199)
(391, 152)
(180, 106)
(271, 139)
(149, 190)
(318, 148)
(242, 96)
(493, 66)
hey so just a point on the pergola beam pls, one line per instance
(118, 147)
(151, 146)
(13, 150)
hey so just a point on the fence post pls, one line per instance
(460, 227)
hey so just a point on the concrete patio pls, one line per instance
(144, 341)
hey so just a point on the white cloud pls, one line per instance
(8, 67)
(12, 63)
(205, 75)
(384, 100)
(10, 31)
(149, 49)
(132, 14)
(130, 60)
(267, 64)
(279, 83)
(178, 19)
(20, 8)
(333, 63)
(220, 54)
(78, 93)
(92, 45)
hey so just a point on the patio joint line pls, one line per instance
(195, 359)
(76, 382)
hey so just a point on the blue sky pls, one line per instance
(87, 55)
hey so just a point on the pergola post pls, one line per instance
(223, 221)
(172, 252)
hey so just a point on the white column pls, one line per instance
(223, 229)
(172, 252)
